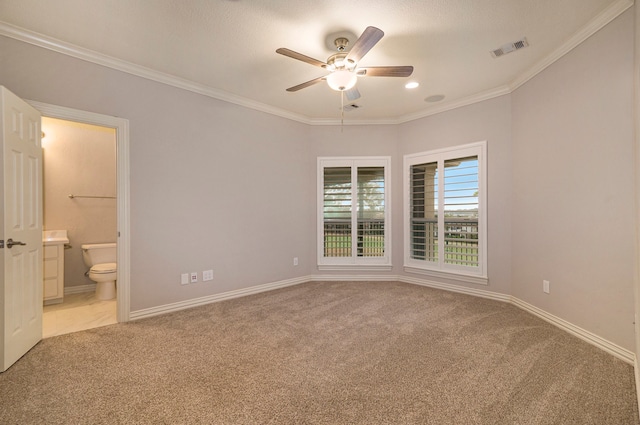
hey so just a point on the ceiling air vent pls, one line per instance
(352, 107)
(510, 47)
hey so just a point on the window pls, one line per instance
(445, 213)
(353, 212)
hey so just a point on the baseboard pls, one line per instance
(353, 278)
(196, 302)
(455, 288)
(637, 374)
(79, 289)
(611, 348)
(608, 346)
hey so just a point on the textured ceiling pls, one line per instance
(226, 48)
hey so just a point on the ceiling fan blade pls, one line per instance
(385, 71)
(301, 57)
(367, 40)
(352, 94)
(307, 84)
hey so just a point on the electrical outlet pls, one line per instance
(194, 277)
(184, 278)
(545, 286)
(207, 275)
(295, 261)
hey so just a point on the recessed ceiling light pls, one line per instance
(434, 98)
(411, 85)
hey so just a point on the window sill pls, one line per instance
(460, 277)
(355, 267)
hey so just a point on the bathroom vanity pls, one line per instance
(53, 270)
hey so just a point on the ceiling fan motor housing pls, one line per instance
(339, 61)
(341, 43)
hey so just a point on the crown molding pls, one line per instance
(469, 100)
(458, 103)
(596, 24)
(91, 56)
(46, 42)
(349, 122)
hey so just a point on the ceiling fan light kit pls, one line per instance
(342, 80)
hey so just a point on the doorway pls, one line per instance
(79, 207)
(120, 128)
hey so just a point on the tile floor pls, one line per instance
(78, 312)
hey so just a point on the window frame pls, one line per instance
(353, 262)
(440, 269)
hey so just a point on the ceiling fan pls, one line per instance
(343, 66)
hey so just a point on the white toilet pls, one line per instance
(101, 258)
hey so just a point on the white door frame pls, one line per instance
(121, 127)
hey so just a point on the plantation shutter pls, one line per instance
(370, 201)
(461, 211)
(445, 221)
(445, 213)
(353, 210)
(424, 211)
(337, 211)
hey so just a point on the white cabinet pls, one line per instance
(53, 270)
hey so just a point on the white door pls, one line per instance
(21, 228)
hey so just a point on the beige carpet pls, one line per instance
(323, 353)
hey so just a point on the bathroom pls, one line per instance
(79, 197)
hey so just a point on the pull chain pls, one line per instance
(341, 111)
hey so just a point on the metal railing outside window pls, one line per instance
(338, 238)
(460, 241)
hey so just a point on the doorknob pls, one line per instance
(11, 242)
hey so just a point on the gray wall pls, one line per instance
(490, 121)
(358, 140)
(573, 192)
(214, 185)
